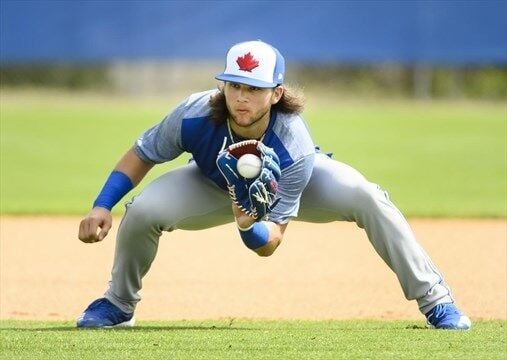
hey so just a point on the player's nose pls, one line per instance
(242, 95)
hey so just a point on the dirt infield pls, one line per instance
(319, 272)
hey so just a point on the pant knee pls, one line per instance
(366, 197)
(145, 214)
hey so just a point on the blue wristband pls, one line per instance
(256, 236)
(117, 185)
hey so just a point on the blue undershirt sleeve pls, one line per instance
(255, 236)
(117, 185)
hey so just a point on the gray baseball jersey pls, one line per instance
(188, 129)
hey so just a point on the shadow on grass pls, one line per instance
(153, 328)
(416, 327)
(134, 329)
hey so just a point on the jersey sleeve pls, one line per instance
(163, 142)
(290, 187)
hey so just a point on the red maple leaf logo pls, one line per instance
(247, 62)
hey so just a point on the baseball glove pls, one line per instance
(256, 197)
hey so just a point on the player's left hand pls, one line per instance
(262, 194)
(256, 197)
(263, 191)
(236, 184)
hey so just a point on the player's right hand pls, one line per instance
(97, 218)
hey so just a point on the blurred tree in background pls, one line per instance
(72, 77)
(352, 80)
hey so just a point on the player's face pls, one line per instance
(250, 106)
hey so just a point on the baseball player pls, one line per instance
(252, 111)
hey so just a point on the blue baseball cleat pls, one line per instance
(103, 314)
(447, 316)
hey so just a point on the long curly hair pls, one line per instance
(292, 102)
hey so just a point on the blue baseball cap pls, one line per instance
(254, 63)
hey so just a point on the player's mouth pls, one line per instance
(242, 111)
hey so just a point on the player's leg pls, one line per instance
(338, 192)
(182, 198)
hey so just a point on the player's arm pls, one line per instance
(133, 166)
(254, 198)
(126, 175)
(156, 145)
(265, 238)
(272, 200)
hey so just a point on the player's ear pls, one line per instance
(277, 94)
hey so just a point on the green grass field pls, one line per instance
(243, 339)
(436, 159)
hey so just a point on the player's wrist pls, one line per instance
(243, 220)
(117, 185)
(255, 236)
(100, 209)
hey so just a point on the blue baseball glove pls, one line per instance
(256, 197)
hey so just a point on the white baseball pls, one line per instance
(249, 166)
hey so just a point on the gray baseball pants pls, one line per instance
(184, 199)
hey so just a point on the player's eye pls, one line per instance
(253, 88)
